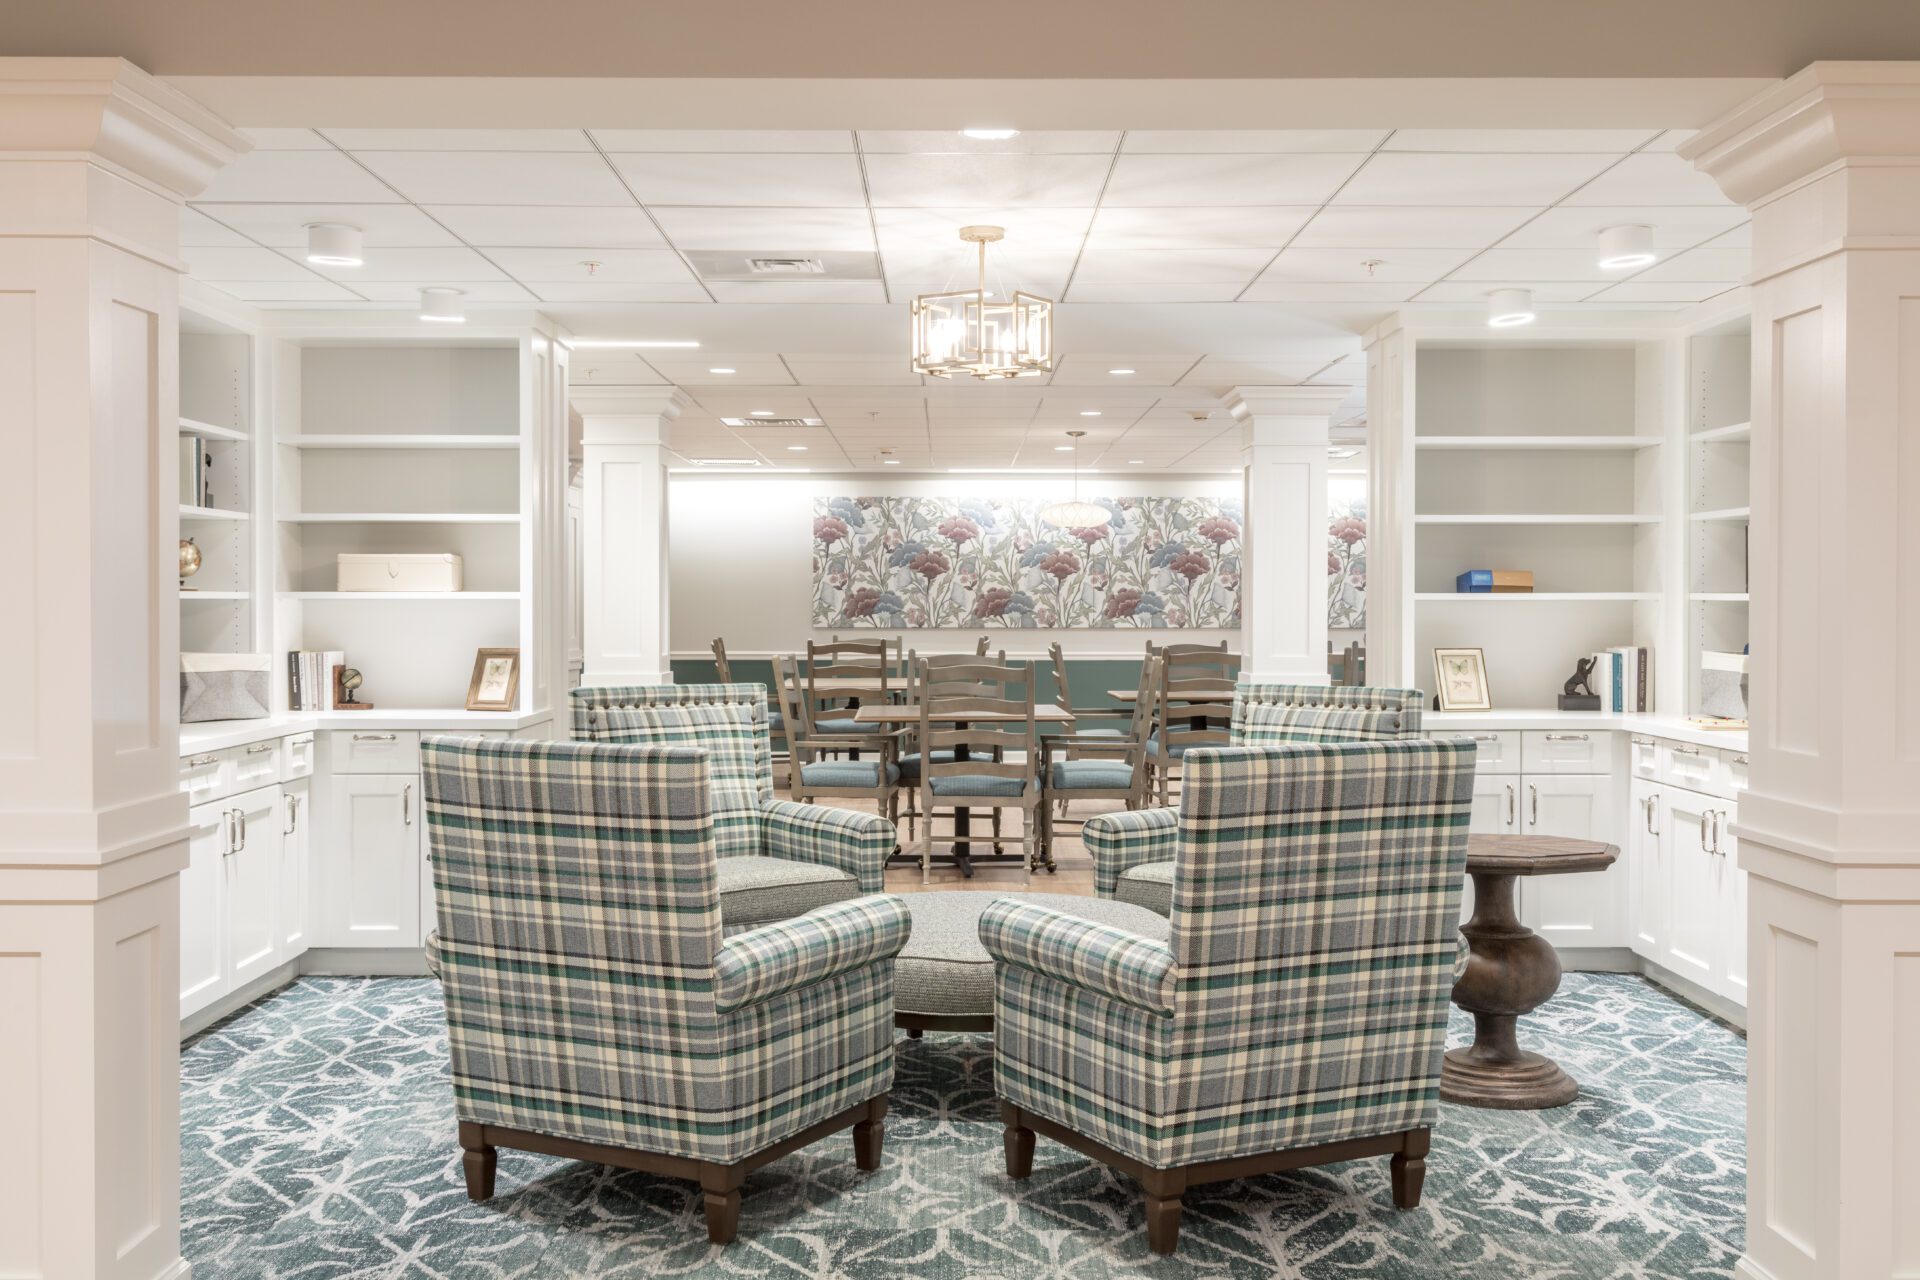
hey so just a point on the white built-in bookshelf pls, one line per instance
(1541, 457)
(218, 605)
(1719, 445)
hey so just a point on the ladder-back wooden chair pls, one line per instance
(975, 718)
(1184, 719)
(1116, 769)
(811, 775)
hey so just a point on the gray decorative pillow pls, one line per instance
(223, 686)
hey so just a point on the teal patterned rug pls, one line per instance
(317, 1143)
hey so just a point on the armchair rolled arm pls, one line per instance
(762, 963)
(1095, 957)
(1129, 838)
(857, 843)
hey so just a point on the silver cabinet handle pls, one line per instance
(1642, 742)
(293, 815)
(1533, 798)
(259, 748)
(1476, 737)
(232, 834)
(373, 737)
(1719, 823)
(1686, 751)
(1647, 803)
(1566, 737)
(1706, 816)
(194, 762)
(1510, 805)
(406, 805)
(1739, 759)
(242, 815)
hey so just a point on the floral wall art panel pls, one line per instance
(1347, 553)
(972, 562)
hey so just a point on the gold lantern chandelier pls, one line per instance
(1075, 514)
(970, 331)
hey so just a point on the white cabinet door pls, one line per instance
(1647, 878)
(253, 887)
(203, 968)
(1587, 909)
(1692, 947)
(295, 839)
(1496, 810)
(1733, 905)
(373, 867)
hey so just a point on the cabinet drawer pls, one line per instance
(1681, 764)
(1566, 751)
(256, 765)
(1643, 756)
(1497, 751)
(296, 756)
(206, 776)
(375, 751)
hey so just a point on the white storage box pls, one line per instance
(440, 571)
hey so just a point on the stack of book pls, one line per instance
(310, 678)
(1623, 677)
(1494, 582)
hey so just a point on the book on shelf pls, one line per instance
(310, 678)
(1623, 677)
(1494, 581)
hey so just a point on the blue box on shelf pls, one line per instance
(1477, 580)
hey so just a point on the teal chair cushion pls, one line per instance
(846, 726)
(845, 773)
(1099, 733)
(776, 723)
(910, 763)
(978, 784)
(1113, 775)
(1177, 750)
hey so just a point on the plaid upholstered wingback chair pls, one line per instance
(1298, 1013)
(1133, 852)
(778, 858)
(594, 1010)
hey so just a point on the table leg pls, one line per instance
(1512, 971)
(962, 821)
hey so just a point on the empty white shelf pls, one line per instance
(207, 431)
(1725, 513)
(1725, 435)
(401, 442)
(1588, 443)
(1719, 597)
(399, 595)
(1540, 518)
(403, 517)
(1534, 597)
(211, 513)
(187, 594)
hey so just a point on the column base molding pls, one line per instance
(1748, 1269)
(178, 1269)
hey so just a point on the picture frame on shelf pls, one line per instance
(1460, 680)
(496, 680)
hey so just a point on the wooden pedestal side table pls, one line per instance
(1512, 971)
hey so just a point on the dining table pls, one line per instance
(1191, 695)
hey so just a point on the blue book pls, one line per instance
(1619, 680)
(1474, 580)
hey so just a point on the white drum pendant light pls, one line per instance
(970, 332)
(1509, 307)
(1075, 514)
(1626, 247)
(334, 244)
(442, 306)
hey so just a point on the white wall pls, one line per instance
(742, 559)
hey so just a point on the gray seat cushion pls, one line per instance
(1111, 775)
(1099, 733)
(1148, 885)
(845, 773)
(776, 722)
(977, 784)
(848, 726)
(910, 763)
(756, 890)
(944, 971)
(1177, 749)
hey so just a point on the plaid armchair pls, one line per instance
(594, 1010)
(1298, 1013)
(778, 858)
(1133, 852)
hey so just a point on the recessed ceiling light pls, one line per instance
(1136, 462)
(796, 448)
(1119, 373)
(1626, 247)
(990, 135)
(724, 462)
(579, 344)
(1089, 413)
(334, 244)
(889, 462)
(1509, 307)
(1063, 448)
(442, 306)
(761, 413)
(720, 371)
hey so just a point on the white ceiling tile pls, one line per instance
(1156, 266)
(1741, 237)
(1670, 140)
(470, 290)
(544, 226)
(615, 369)
(459, 139)
(1526, 265)
(1228, 141)
(853, 373)
(419, 266)
(1618, 141)
(1271, 290)
(953, 181)
(313, 176)
(286, 140)
(1727, 265)
(613, 291)
(938, 230)
(1170, 228)
(619, 266)
(757, 181)
(1579, 226)
(198, 231)
(1678, 291)
(312, 289)
(1389, 265)
(1216, 180)
(1141, 292)
(952, 141)
(773, 230)
(1408, 227)
(714, 141)
(248, 263)
(1212, 372)
(1092, 371)
(1652, 179)
(798, 292)
(782, 403)
(1453, 291)
(499, 177)
(1413, 178)
(284, 226)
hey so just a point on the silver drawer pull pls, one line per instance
(1739, 759)
(1642, 742)
(1476, 737)
(259, 748)
(406, 805)
(195, 762)
(373, 737)
(1566, 737)
(1686, 751)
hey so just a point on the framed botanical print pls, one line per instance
(1460, 676)
(496, 680)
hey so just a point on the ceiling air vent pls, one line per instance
(786, 266)
(738, 266)
(774, 422)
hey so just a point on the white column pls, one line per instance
(623, 532)
(1390, 460)
(95, 159)
(1829, 163)
(1284, 574)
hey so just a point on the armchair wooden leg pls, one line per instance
(479, 1160)
(1019, 1143)
(720, 1190)
(1410, 1169)
(868, 1135)
(1165, 1187)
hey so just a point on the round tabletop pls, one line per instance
(1536, 855)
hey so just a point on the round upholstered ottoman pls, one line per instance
(943, 980)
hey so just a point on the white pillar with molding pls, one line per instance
(95, 160)
(1829, 828)
(1284, 571)
(1390, 456)
(623, 532)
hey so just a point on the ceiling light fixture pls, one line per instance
(1136, 462)
(796, 448)
(1089, 413)
(582, 344)
(1509, 307)
(1063, 448)
(1626, 247)
(442, 306)
(721, 371)
(889, 462)
(989, 135)
(1120, 373)
(334, 244)
(962, 332)
(761, 413)
(1075, 514)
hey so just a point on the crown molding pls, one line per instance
(1305, 401)
(628, 402)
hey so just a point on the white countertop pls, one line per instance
(1674, 728)
(216, 735)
